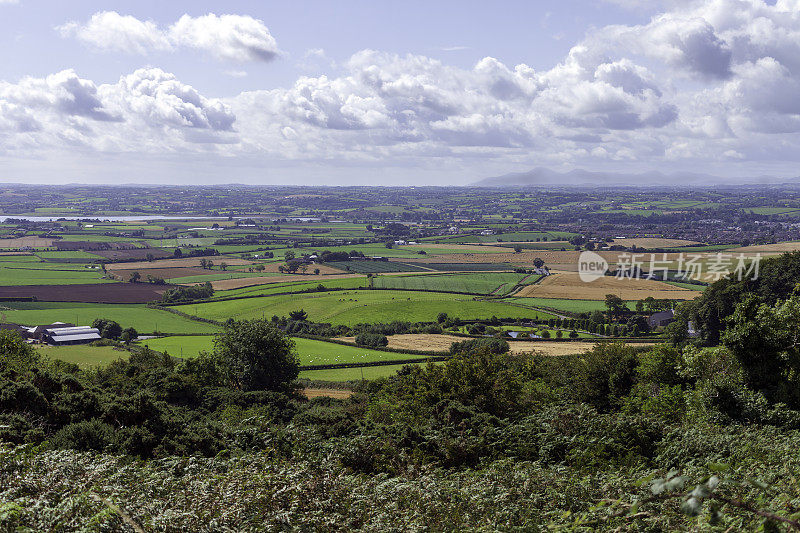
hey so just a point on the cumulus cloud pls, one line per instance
(702, 81)
(146, 110)
(235, 38)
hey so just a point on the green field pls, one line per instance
(352, 374)
(19, 273)
(368, 267)
(568, 306)
(353, 307)
(145, 320)
(476, 283)
(690, 286)
(359, 282)
(311, 352)
(84, 355)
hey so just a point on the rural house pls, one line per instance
(71, 335)
(661, 319)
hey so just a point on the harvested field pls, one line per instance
(133, 254)
(767, 248)
(567, 285)
(338, 394)
(464, 247)
(22, 242)
(120, 293)
(164, 273)
(178, 263)
(323, 269)
(441, 343)
(653, 242)
(92, 245)
(238, 283)
(428, 342)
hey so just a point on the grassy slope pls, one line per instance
(477, 283)
(138, 316)
(47, 274)
(568, 306)
(353, 307)
(84, 355)
(311, 352)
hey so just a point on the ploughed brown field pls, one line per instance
(568, 285)
(104, 293)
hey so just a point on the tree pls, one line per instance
(763, 339)
(150, 257)
(441, 318)
(223, 266)
(177, 253)
(128, 335)
(545, 334)
(203, 263)
(15, 354)
(316, 272)
(109, 329)
(615, 305)
(288, 255)
(389, 244)
(300, 315)
(538, 262)
(303, 268)
(517, 249)
(135, 277)
(573, 334)
(256, 355)
(559, 334)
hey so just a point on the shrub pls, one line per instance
(371, 339)
(494, 346)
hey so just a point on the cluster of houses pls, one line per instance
(56, 334)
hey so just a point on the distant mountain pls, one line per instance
(544, 176)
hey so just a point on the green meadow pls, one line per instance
(144, 319)
(353, 307)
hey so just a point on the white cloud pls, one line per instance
(713, 81)
(235, 38)
(108, 30)
(148, 110)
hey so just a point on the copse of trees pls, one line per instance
(252, 355)
(374, 340)
(187, 294)
(777, 277)
(493, 346)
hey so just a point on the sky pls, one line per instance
(395, 93)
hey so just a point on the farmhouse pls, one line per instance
(71, 335)
(61, 333)
(661, 319)
(16, 328)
